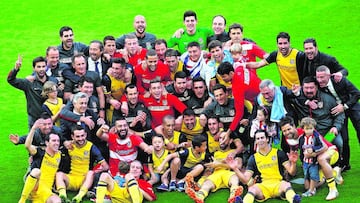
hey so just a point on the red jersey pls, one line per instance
(245, 85)
(250, 51)
(146, 187)
(135, 59)
(160, 108)
(122, 150)
(143, 77)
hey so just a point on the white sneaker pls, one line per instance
(338, 178)
(333, 194)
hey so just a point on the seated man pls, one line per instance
(134, 189)
(222, 177)
(45, 163)
(83, 156)
(269, 163)
(187, 161)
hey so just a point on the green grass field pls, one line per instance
(28, 27)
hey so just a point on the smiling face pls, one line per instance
(180, 85)
(220, 96)
(136, 169)
(323, 78)
(95, 51)
(169, 127)
(132, 95)
(283, 46)
(194, 53)
(310, 50)
(309, 90)
(261, 140)
(46, 126)
(79, 137)
(131, 45)
(217, 54)
(122, 128)
(52, 58)
(156, 90)
(139, 24)
(189, 121)
(236, 35)
(80, 106)
(268, 94)
(158, 143)
(53, 143)
(289, 131)
(67, 39)
(110, 47)
(218, 25)
(199, 89)
(190, 24)
(79, 65)
(40, 68)
(213, 125)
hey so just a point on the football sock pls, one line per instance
(62, 191)
(29, 185)
(82, 192)
(331, 183)
(249, 198)
(134, 191)
(101, 191)
(289, 194)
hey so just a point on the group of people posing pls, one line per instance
(116, 118)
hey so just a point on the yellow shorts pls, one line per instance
(41, 194)
(334, 156)
(269, 188)
(75, 182)
(220, 178)
(121, 194)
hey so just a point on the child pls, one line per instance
(236, 53)
(311, 145)
(53, 104)
(157, 157)
(262, 121)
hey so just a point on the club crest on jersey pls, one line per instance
(86, 153)
(232, 112)
(273, 158)
(164, 102)
(129, 144)
(201, 41)
(292, 61)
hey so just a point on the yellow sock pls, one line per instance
(331, 183)
(101, 191)
(62, 191)
(134, 191)
(29, 185)
(205, 193)
(289, 194)
(249, 198)
(82, 192)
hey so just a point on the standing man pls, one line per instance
(191, 34)
(347, 97)
(160, 48)
(194, 62)
(218, 26)
(53, 67)
(96, 62)
(146, 40)
(173, 62)
(178, 88)
(314, 59)
(288, 60)
(33, 89)
(45, 164)
(200, 98)
(132, 52)
(68, 48)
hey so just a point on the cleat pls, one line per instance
(172, 186)
(64, 199)
(76, 199)
(235, 193)
(90, 194)
(189, 182)
(196, 196)
(162, 188)
(181, 186)
(309, 193)
(238, 199)
(297, 198)
(338, 178)
(333, 194)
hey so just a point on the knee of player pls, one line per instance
(35, 172)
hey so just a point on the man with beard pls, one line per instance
(178, 88)
(320, 106)
(46, 162)
(114, 87)
(190, 125)
(173, 62)
(325, 159)
(85, 161)
(160, 48)
(146, 40)
(222, 177)
(314, 59)
(68, 48)
(96, 61)
(213, 133)
(269, 163)
(152, 69)
(288, 60)
(32, 89)
(122, 145)
(200, 98)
